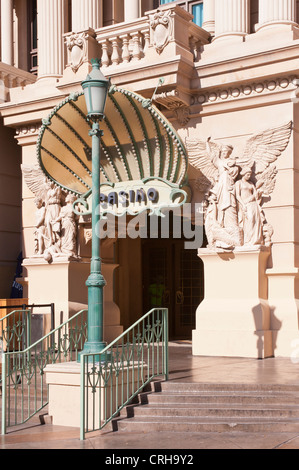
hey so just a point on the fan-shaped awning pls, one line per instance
(137, 143)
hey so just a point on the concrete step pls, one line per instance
(179, 410)
(183, 407)
(208, 424)
(219, 397)
(170, 386)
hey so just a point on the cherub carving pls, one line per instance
(236, 187)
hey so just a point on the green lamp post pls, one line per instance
(95, 89)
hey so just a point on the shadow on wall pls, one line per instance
(267, 327)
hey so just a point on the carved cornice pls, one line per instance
(28, 130)
(249, 89)
(174, 101)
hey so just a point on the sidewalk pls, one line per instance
(183, 367)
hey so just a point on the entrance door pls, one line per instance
(173, 278)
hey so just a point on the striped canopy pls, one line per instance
(137, 143)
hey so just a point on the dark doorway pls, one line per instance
(172, 278)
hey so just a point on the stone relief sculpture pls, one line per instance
(56, 223)
(235, 188)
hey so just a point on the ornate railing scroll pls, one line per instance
(15, 329)
(24, 389)
(110, 380)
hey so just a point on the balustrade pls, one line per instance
(121, 45)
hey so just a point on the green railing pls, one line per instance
(24, 391)
(110, 381)
(15, 331)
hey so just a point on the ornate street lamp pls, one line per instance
(95, 90)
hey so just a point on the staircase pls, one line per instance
(198, 407)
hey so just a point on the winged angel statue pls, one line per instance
(235, 187)
(56, 224)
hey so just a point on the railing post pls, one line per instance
(166, 370)
(82, 398)
(3, 424)
(28, 312)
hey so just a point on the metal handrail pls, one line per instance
(110, 380)
(24, 392)
(15, 330)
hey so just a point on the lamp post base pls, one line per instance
(95, 349)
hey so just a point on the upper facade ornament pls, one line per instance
(161, 24)
(235, 188)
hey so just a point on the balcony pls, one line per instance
(164, 43)
(11, 77)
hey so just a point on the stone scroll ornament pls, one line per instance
(76, 45)
(161, 25)
(56, 224)
(235, 188)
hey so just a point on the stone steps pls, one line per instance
(215, 410)
(178, 407)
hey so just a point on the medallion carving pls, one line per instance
(76, 45)
(161, 24)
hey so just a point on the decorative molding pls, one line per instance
(161, 28)
(173, 101)
(29, 130)
(246, 90)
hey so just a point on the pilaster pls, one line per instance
(86, 14)
(276, 12)
(234, 319)
(131, 10)
(209, 16)
(51, 27)
(7, 31)
(232, 19)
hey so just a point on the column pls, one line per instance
(86, 14)
(7, 31)
(232, 19)
(51, 19)
(209, 16)
(131, 10)
(276, 12)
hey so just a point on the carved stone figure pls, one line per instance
(252, 218)
(40, 233)
(236, 187)
(53, 208)
(68, 221)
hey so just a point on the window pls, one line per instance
(32, 14)
(194, 7)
